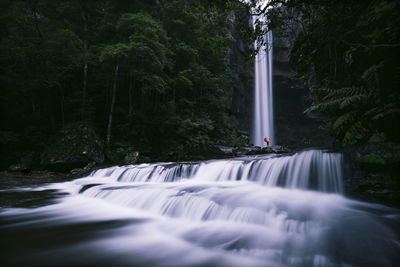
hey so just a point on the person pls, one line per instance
(267, 140)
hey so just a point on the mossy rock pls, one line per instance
(75, 146)
(372, 163)
(372, 159)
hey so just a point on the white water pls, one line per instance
(308, 169)
(263, 126)
(258, 211)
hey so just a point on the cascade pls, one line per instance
(263, 124)
(269, 210)
(312, 169)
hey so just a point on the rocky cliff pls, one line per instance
(241, 102)
(292, 127)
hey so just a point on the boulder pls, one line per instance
(79, 172)
(227, 150)
(241, 151)
(280, 149)
(131, 157)
(16, 168)
(76, 145)
(255, 150)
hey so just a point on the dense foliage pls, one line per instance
(347, 52)
(152, 75)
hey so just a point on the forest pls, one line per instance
(240, 133)
(155, 76)
(145, 74)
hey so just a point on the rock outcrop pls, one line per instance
(75, 146)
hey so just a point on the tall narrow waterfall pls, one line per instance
(263, 125)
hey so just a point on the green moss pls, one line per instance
(392, 157)
(372, 159)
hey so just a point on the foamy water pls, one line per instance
(253, 211)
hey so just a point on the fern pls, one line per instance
(353, 134)
(355, 99)
(370, 75)
(343, 92)
(385, 113)
(344, 120)
(324, 106)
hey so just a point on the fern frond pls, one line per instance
(353, 134)
(324, 106)
(344, 120)
(343, 92)
(354, 99)
(372, 111)
(385, 113)
(369, 75)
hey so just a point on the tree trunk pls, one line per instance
(110, 117)
(50, 101)
(85, 66)
(35, 18)
(62, 107)
(142, 107)
(130, 113)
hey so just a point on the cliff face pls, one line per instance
(241, 102)
(291, 98)
(292, 127)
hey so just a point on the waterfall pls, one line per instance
(313, 169)
(263, 125)
(270, 210)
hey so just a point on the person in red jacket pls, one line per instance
(267, 140)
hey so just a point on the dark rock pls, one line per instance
(206, 151)
(131, 157)
(79, 172)
(281, 149)
(16, 167)
(28, 160)
(77, 145)
(368, 183)
(113, 156)
(25, 164)
(242, 74)
(255, 150)
(293, 127)
(267, 150)
(26, 170)
(291, 98)
(227, 150)
(144, 159)
(241, 151)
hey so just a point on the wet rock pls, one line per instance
(280, 149)
(16, 167)
(241, 151)
(19, 168)
(25, 164)
(267, 150)
(227, 150)
(255, 150)
(78, 172)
